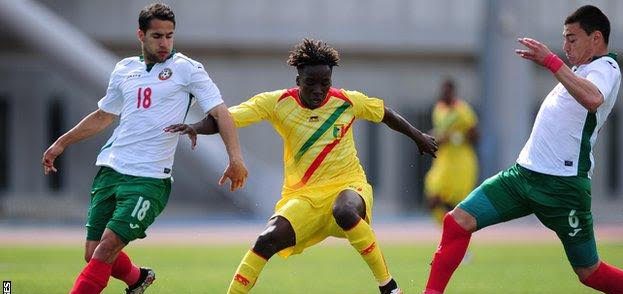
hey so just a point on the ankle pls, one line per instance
(383, 283)
(388, 287)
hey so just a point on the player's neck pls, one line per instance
(149, 62)
(449, 101)
(600, 53)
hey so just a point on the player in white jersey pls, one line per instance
(147, 93)
(551, 178)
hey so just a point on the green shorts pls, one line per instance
(125, 204)
(563, 204)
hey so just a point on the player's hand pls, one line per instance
(49, 156)
(184, 129)
(442, 138)
(536, 51)
(237, 173)
(426, 144)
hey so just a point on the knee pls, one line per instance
(107, 249)
(462, 218)
(89, 248)
(584, 272)
(433, 202)
(345, 216)
(267, 244)
(266, 239)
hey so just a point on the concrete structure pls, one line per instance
(399, 50)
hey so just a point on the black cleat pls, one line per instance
(390, 288)
(148, 276)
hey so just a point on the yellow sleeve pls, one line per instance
(469, 116)
(259, 107)
(368, 108)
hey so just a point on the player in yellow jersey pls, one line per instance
(455, 170)
(325, 191)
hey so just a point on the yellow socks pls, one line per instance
(247, 273)
(363, 240)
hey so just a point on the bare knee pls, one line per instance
(109, 246)
(463, 219)
(585, 272)
(348, 209)
(277, 236)
(346, 216)
(266, 244)
(89, 248)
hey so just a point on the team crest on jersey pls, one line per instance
(338, 131)
(165, 74)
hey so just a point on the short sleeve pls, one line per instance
(469, 116)
(604, 76)
(259, 107)
(368, 108)
(203, 88)
(113, 101)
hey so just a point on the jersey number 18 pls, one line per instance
(143, 98)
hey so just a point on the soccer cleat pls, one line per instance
(390, 288)
(148, 276)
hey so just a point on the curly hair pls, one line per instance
(159, 11)
(313, 52)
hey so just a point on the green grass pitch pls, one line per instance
(329, 268)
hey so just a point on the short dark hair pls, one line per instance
(591, 19)
(159, 11)
(313, 52)
(449, 81)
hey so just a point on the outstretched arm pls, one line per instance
(585, 92)
(91, 125)
(236, 170)
(425, 142)
(206, 126)
(218, 120)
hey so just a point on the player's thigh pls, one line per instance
(498, 199)
(102, 203)
(307, 219)
(564, 206)
(138, 202)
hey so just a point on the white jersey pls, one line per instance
(147, 101)
(564, 132)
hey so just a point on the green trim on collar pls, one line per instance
(148, 67)
(611, 55)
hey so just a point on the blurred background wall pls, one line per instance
(57, 55)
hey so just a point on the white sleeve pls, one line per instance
(113, 101)
(603, 76)
(203, 88)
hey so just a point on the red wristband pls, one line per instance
(552, 62)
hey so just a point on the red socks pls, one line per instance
(449, 254)
(93, 278)
(606, 278)
(452, 248)
(123, 269)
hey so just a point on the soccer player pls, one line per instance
(132, 186)
(552, 175)
(325, 191)
(454, 171)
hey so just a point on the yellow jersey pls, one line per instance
(454, 172)
(319, 150)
